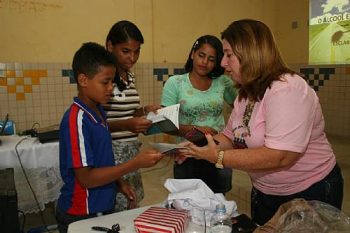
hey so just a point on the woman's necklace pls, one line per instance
(241, 132)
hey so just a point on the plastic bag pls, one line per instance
(301, 216)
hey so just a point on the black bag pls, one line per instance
(243, 224)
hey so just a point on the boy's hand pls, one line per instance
(148, 158)
(129, 193)
(138, 124)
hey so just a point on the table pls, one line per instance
(41, 164)
(125, 220)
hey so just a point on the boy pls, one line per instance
(86, 157)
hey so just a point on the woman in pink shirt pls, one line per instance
(276, 129)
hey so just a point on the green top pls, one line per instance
(201, 108)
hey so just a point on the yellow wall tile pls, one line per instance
(28, 89)
(42, 73)
(19, 81)
(35, 74)
(20, 96)
(35, 80)
(3, 81)
(10, 73)
(27, 73)
(11, 89)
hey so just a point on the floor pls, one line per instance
(154, 178)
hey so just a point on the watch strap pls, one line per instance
(219, 161)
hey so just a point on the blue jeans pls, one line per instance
(63, 219)
(328, 190)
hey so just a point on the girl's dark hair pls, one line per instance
(122, 31)
(216, 44)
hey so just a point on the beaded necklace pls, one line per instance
(242, 131)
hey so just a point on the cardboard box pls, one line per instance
(161, 220)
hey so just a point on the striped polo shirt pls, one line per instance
(123, 106)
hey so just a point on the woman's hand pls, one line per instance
(182, 154)
(208, 130)
(208, 152)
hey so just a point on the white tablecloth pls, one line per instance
(125, 220)
(41, 164)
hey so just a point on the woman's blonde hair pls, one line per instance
(261, 63)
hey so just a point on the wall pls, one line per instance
(51, 30)
(293, 40)
(40, 37)
(177, 24)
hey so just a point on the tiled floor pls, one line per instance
(154, 178)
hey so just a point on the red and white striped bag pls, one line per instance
(161, 220)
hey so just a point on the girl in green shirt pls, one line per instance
(202, 92)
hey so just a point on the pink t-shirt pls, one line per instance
(289, 117)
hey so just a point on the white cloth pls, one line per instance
(196, 197)
(41, 164)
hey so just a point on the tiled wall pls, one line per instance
(41, 92)
(332, 85)
(34, 93)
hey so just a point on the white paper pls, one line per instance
(170, 112)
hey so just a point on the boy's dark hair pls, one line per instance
(122, 31)
(89, 58)
(216, 44)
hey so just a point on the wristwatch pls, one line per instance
(218, 163)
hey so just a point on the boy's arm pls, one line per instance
(90, 177)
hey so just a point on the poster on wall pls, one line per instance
(329, 32)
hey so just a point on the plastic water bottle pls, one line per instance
(221, 221)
